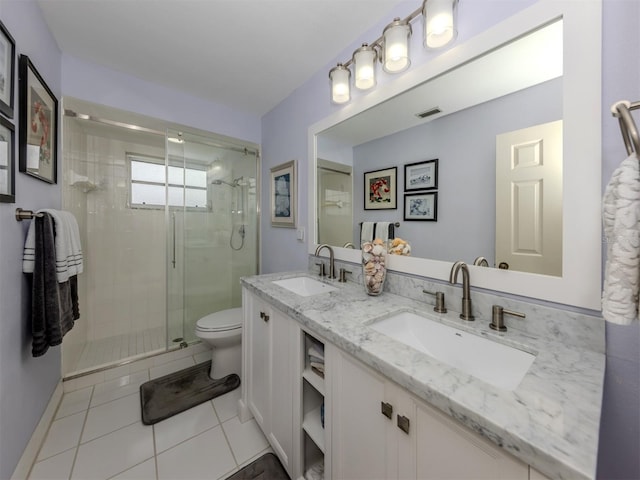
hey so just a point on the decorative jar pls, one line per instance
(374, 270)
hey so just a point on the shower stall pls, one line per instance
(169, 223)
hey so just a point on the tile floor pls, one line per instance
(97, 433)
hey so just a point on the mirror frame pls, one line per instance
(580, 284)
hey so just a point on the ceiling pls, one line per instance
(245, 54)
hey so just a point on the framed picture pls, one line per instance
(283, 195)
(7, 162)
(7, 71)
(380, 192)
(421, 206)
(38, 140)
(421, 176)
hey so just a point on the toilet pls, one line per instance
(223, 332)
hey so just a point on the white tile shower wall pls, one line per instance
(123, 288)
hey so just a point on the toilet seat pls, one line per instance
(225, 320)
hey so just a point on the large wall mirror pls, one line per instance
(518, 95)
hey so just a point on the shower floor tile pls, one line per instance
(105, 439)
(109, 350)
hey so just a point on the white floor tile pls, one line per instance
(183, 426)
(144, 471)
(74, 402)
(227, 405)
(204, 456)
(57, 467)
(118, 388)
(246, 439)
(63, 435)
(110, 416)
(167, 368)
(114, 453)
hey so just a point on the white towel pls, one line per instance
(621, 219)
(366, 232)
(382, 231)
(69, 258)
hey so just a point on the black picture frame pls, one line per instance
(284, 195)
(421, 175)
(7, 162)
(380, 189)
(7, 71)
(38, 140)
(421, 207)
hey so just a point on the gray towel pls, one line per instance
(54, 306)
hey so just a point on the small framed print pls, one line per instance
(380, 192)
(283, 195)
(7, 162)
(421, 206)
(38, 140)
(7, 71)
(421, 176)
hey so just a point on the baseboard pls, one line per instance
(244, 414)
(33, 447)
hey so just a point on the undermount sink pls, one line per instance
(305, 286)
(492, 362)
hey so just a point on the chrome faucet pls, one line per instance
(332, 266)
(466, 295)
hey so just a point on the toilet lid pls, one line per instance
(221, 321)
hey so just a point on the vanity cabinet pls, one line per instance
(381, 431)
(270, 337)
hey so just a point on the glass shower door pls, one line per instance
(213, 229)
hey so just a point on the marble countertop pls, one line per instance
(550, 421)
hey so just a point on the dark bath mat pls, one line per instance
(267, 467)
(174, 393)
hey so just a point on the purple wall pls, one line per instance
(97, 84)
(26, 383)
(619, 453)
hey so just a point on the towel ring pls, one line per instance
(630, 136)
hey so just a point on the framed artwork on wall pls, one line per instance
(7, 71)
(7, 162)
(380, 191)
(283, 195)
(421, 206)
(38, 140)
(421, 176)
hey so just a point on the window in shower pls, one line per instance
(187, 186)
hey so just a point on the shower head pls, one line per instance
(220, 182)
(234, 183)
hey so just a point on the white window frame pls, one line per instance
(136, 157)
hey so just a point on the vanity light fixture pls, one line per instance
(340, 84)
(364, 61)
(395, 57)
(392, 48)
(439, 22)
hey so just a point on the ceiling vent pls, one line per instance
(428, 113)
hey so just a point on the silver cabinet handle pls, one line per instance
(386, 409)
(173, 218)
(403, 423)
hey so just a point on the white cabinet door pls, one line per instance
(258, 337)
(446, 450)
(269, 339)
(281, 435)
(359, 429)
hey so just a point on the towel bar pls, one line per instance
(22, 214)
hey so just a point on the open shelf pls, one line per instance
(312, 425)
(315, 380)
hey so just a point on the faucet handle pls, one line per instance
(440, 306)
(343, 275)
(497, 318)
(322, 271)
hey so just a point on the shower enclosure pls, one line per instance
(169, 224)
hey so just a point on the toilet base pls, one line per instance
(225, 361)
